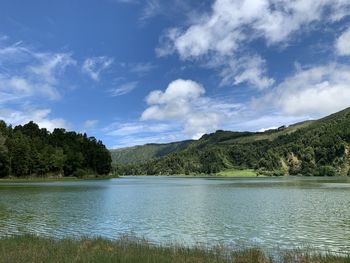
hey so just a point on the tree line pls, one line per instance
(32, 151)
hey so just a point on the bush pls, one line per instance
(80, 173)
(325, 170)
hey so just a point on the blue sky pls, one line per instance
(131, 72)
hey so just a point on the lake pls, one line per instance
(267, 212)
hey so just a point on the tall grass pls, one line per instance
(29, 248)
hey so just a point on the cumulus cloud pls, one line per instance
(315, 92)
(224, 32)
(183, 90)
(343, 43)
(183, 101)
(39, 116)
(94, 66)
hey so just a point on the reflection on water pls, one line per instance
(269, 212)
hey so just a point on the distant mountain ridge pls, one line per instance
(318, 147)
(143, 153)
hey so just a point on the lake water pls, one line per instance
(268, 212)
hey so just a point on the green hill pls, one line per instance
(319, 147)
(146, 152)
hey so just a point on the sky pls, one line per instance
(131, 72)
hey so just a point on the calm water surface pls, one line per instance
(268, 212)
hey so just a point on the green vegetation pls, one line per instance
(146, 152)
(28, 151)
(311, 148)
(238, 173)
(35, 249)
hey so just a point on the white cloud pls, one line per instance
(127, 1)
(232, 22)
(128, 141)
(141, 68)
(94, 66)
(90, 124)
(130, 128)
(152, 8)
(224, 34)
(200, 123)
(38, 79)
(343, 43)
(138, 133)
(183, 90)
(246, 69)
(30, 73)
(50, 65)
(315, 92)
(124, 88)
(183, 103)
(29, 76)
(39, 116)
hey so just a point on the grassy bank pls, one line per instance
(238, 173)
(35, 249)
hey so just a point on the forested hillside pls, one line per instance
(146, 152)
(310, 148)
(30, 151)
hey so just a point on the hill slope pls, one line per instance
(146, 152)
(318, 147)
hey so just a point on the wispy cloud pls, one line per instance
(90, 124)
(127, 1)
(31, 73)
(94, 66)
(138, 68)
(129, 128)
(141, 68)
(138, 133)
(124, 89)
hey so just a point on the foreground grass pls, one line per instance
(237, 173)
(35, 249)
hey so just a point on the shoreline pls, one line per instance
(92, 178)
(55, 178)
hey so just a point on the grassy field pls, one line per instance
(35, 249)
(237, 173)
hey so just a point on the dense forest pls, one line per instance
(30, 151)
(312, 148)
